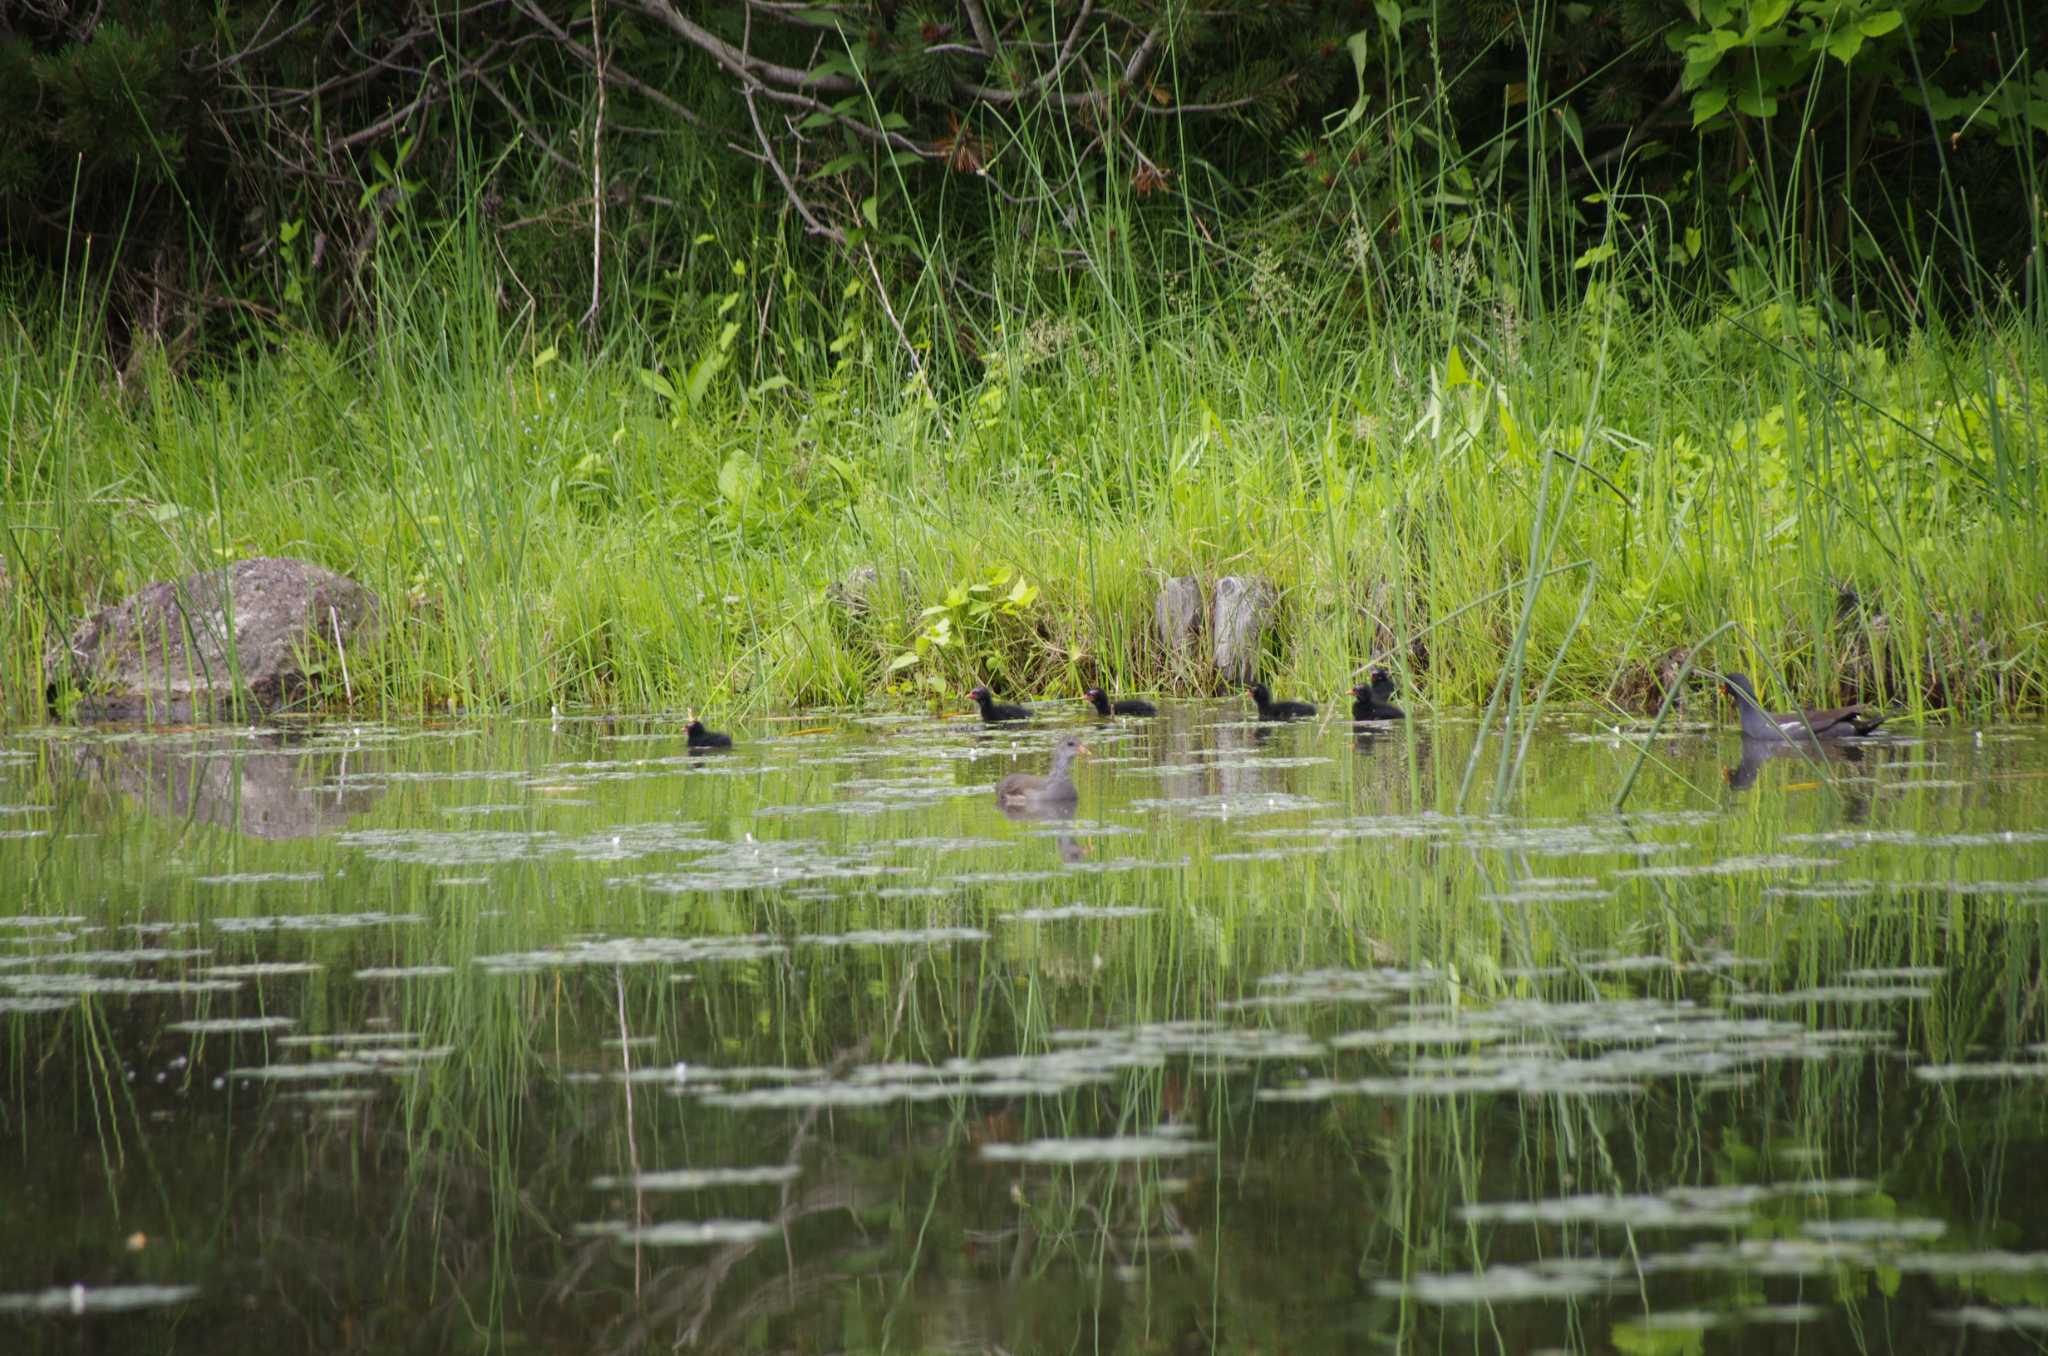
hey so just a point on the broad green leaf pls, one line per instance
(1878, 24)
(1599, 254)
(903, 661)
(656, 383)
(738, 478)
(1756, 103)
(1707, 104)
(1844, 46)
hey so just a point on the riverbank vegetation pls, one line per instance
(1557, 399)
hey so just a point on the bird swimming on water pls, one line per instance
(1272, 710)
(993, 711)
(1053, 791)
(1832, 722)
(1124, 706)
(1374, 700)
(701, 738)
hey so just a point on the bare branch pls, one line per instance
(612, 73)
(741, 63)
(977, 19)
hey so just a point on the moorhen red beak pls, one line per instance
(1834, 722)
(1374, 700)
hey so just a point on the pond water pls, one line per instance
(550, 1036)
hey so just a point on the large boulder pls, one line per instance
(255, 631)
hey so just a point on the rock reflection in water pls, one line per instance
(263, 783)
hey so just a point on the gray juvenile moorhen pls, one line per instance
(993, 710)
(1126, 706)
(701, 738)
(1373, 701)
(1029, 791)
(1836, 722)
(1272, 710)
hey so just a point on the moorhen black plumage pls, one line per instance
(1834, 722)
(1272, 710)
(701, 738)
(1053, 791)
(1373, 701)
(993, 710)
(1124, 706)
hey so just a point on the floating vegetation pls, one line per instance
(405, 972)
(895, 937)
(347, 1039)
(1733, 866)
(134, 956)
(1333, 986)
(317, 922)
(95, 1299)
(634, 951)
(698, 1179)
(685, 1233)
(1989, 1071)
(1501, 1284)
(307, 1072)
(28, 1006)
(112, 986)
(263, 878)
(262, 969)
(766, 864)
(1833, 993)
(1725, 1207)
(232, 1026)
(1233, 805)
(1117, 1149)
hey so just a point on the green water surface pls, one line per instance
(547, 1036)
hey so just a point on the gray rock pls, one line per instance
(1243, 608)
(856, 594)
(252, 631)
(1177, 616)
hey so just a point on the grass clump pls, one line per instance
(665, 517)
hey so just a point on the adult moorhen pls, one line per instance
(993, 710)
(1272, 710)
(1372, 701)
(1053, 791)
(701, 738)
(1126, 706)
(1837, 722)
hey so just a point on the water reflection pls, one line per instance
(547, 1035)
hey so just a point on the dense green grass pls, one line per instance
(549, 522)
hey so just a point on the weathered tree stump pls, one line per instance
(1243, 608)
(1177, 616)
